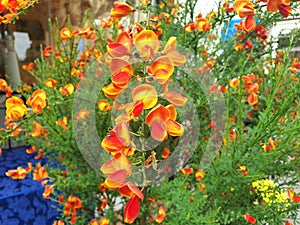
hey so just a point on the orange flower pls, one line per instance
(249, 24)
(40, 173)
(252, 99)
(199, 174)
(3, 84)
(243, 169)
(103, 203)
(145, 93)
(133, 109)
(117, 170)
(48, 191)
(118, 162)
(147, 43)
(250, 219)
(15, 128)
(94, 222)
(129, 190)
(47, 52)
(19, 173)
(252, 88)
(166, 153)
(288, 223)
(121, 9)
(175, 98)
(29, 66)
(71, 206)
(31, 150)
(119, 140)
(65, 34)
(82, 114)
(202, 24)
(58, 222)
(186, 171)
(67, 90)
(118, 65)
(162, 68)
(87, 32)
(121, 79)
(161, 215)
(15, 108)
(104, 105)
(238, 46)
(244, 8)
(132, 209)
(172, 53)
(281, 5)
(295, 67)
(111, 90)
(38, 130)
(4, 87)
(248, 44)
(122, 46)
(234, 82)
(37, 101)
(104, 221)
(190, 27)
(63, 123)
(162, 122)
(293, 197)
(50, 82)
(249, 78)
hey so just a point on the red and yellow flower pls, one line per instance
(162, 122)
(117, 170)
(15, 108)
(161, 215)
(19, 173)
(119, 140)
(147, 43)
(249, 219)
(37, 100)
(121, 9)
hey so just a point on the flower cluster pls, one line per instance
(160, 119)
(246, 9)
(10, 9)
(269, 192)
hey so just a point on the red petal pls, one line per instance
(145, 93)
(111, 90)
(250, 219)
(158, 130)
(296, 198)
(132, 209)
(121, 79)
(120, 65)
(249, 24)
(130, 190)
(159, 111)
(117, 50)
(177, 58)
(174, 128)
(175, 98)
(116, 180)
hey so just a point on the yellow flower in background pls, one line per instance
(270, 193)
